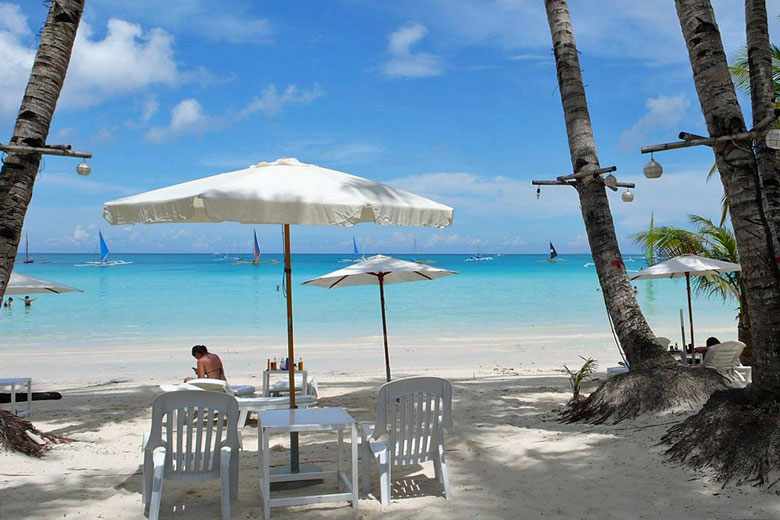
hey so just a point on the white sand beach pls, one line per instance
(509, 456)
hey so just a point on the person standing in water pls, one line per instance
(209, 365)
(28, 301)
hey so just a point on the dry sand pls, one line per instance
(508, 458)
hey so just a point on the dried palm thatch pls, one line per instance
(14, 436)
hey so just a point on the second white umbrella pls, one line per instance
(379, 270)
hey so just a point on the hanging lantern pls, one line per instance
(610, 181)
(628, 196)
(652, 169)
(773, 139)
(83, 168)
(538, 193)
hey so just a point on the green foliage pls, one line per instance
(583, 374)
(708, 240)
(740, 70)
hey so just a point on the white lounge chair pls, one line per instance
(200, 443)
(412, 417)
(725, 358)
(664, 342)
(245, 404)
(283, 386)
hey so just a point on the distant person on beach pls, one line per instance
(8, 302)
(209, 365)
(28, 301)
(711, 342)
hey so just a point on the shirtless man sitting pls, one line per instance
(209, 365)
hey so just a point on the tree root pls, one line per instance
(646, 390)
(733, 436)
(14, 437)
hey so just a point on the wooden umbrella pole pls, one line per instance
(690, 314)
(384, 323)
(294, 461)
(682, 330)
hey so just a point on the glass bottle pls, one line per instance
(300, 364)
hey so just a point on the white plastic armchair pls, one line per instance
(725, 358)
(194, 437)
(413, 414)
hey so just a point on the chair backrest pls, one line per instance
(723, 355)
(664, 342)
(410, 411)
(213, 385)
(193, 426)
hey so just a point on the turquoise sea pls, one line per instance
(194, 297)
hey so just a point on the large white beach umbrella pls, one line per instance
(26, 284)
(285, 192)
(379, 270)
(687, 266)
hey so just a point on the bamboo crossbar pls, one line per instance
(572, 183)
(59, 149)
(589, 173)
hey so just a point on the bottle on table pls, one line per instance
(273, 364)
(300, 364)
(268, 364)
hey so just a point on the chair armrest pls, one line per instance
(158, 458)
(224, 457)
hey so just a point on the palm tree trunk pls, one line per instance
(762, 101)
(32, 125)
(631, 327)
(739, 175)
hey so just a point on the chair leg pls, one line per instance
(224, 473)
(445, 479)
(366, 455)
(242, 418)
(154, 507)
(384, 478)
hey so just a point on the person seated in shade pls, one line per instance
(711, 341)
(209, 365)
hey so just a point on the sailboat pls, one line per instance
(356, 257)
(27, 258)
(554, 255)
(418, 261)
(650, 256)
(478, 257)
(256, 255)
(104, 252)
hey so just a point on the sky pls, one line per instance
(455, 100)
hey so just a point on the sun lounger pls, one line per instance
(725, 358)
(283, 386)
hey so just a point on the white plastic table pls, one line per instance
(18, 383)
(306, 420)
(267, 380)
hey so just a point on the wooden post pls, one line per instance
(381, 277)
(294, 460)
(682, 330)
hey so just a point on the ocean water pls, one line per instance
(182, 297)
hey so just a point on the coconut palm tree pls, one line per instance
(710, 241)
(740, 70)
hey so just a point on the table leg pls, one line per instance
(266, 382)
(29, 397)
(303, 382)
(266, 477)
(354, 466)
(13, 399)
(339, 456)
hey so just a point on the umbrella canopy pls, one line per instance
(367, 272)
(686, 266)
(285, 191)
(25, 284)
(693, 265)
(379, 270)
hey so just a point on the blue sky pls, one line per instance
(452, 99)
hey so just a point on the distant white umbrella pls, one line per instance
(687, 266)
(25, 284)
(380, 270)
(285, 192)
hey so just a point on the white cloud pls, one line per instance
(126, 60)
(271, 102)
(235, 29)
(405, 63)
(77, 236)
(663, 112)
(187, 117)
(148, 109)
(13, 20)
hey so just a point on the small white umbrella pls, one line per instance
(25, 284)
(687, 266)
(380, 270)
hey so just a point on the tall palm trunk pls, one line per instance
(630, 325)
(740, 177)
(32, 125)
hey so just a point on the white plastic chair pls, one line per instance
(725, 358)
(664, 342)
(413, 414)
(200, 442)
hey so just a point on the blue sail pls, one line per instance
(553, 252)
(257, 249)
(103, 248)
(355, 253)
